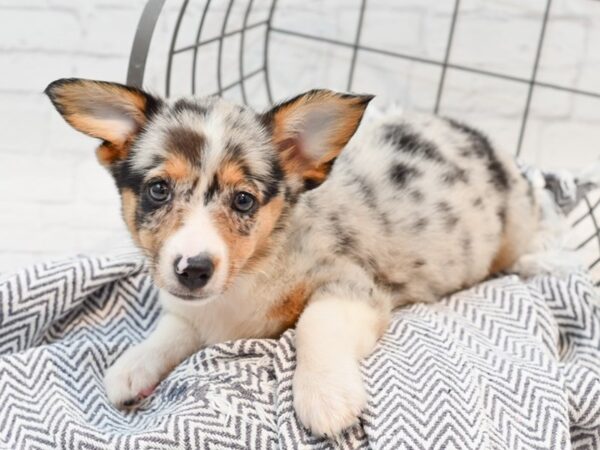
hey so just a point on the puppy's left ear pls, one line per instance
(311, 129)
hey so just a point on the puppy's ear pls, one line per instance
(109, 111)
(311, 129)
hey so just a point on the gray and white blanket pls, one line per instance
(504, 365)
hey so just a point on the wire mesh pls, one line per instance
(589, 218)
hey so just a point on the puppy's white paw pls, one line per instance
(134, 375)
(327, 401)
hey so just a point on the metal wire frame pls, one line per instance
(152, 12)
(356, 47)
(220, 39)
(141, 42)
(590, 215)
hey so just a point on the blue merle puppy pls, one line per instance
(257, 222)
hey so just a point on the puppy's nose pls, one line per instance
(195, 272)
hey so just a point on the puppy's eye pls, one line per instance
(159, 191)
(243, 202)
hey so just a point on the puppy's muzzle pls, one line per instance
(194, 273)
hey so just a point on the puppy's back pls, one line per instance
(426, 204)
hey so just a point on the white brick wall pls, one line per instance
(55, 199)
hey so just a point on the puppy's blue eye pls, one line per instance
(159, 191)
(243, 202)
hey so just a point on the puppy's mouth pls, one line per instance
(190, 297)
(187, 296)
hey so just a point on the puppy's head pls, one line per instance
(204, 182)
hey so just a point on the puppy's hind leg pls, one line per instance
(338, 328)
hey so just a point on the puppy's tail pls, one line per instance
(565, 187)
(570, 188)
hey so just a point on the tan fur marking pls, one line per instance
(522, 219)
(231, 174)
(246, 251)
(240, 247)
(128, 207)
(177, 168)
(108, 154)
(288, 309)
(268, 217)
(506, 256)
(317, 174)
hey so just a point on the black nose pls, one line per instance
(196, 273)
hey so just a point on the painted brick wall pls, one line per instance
(56, 200)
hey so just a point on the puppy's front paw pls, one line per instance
(134, 375)
(327, 401)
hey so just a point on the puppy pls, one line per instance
(250, 227)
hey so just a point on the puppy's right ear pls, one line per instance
(112, 112)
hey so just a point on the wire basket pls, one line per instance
(258, 52)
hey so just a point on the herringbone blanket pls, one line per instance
(505, 365)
